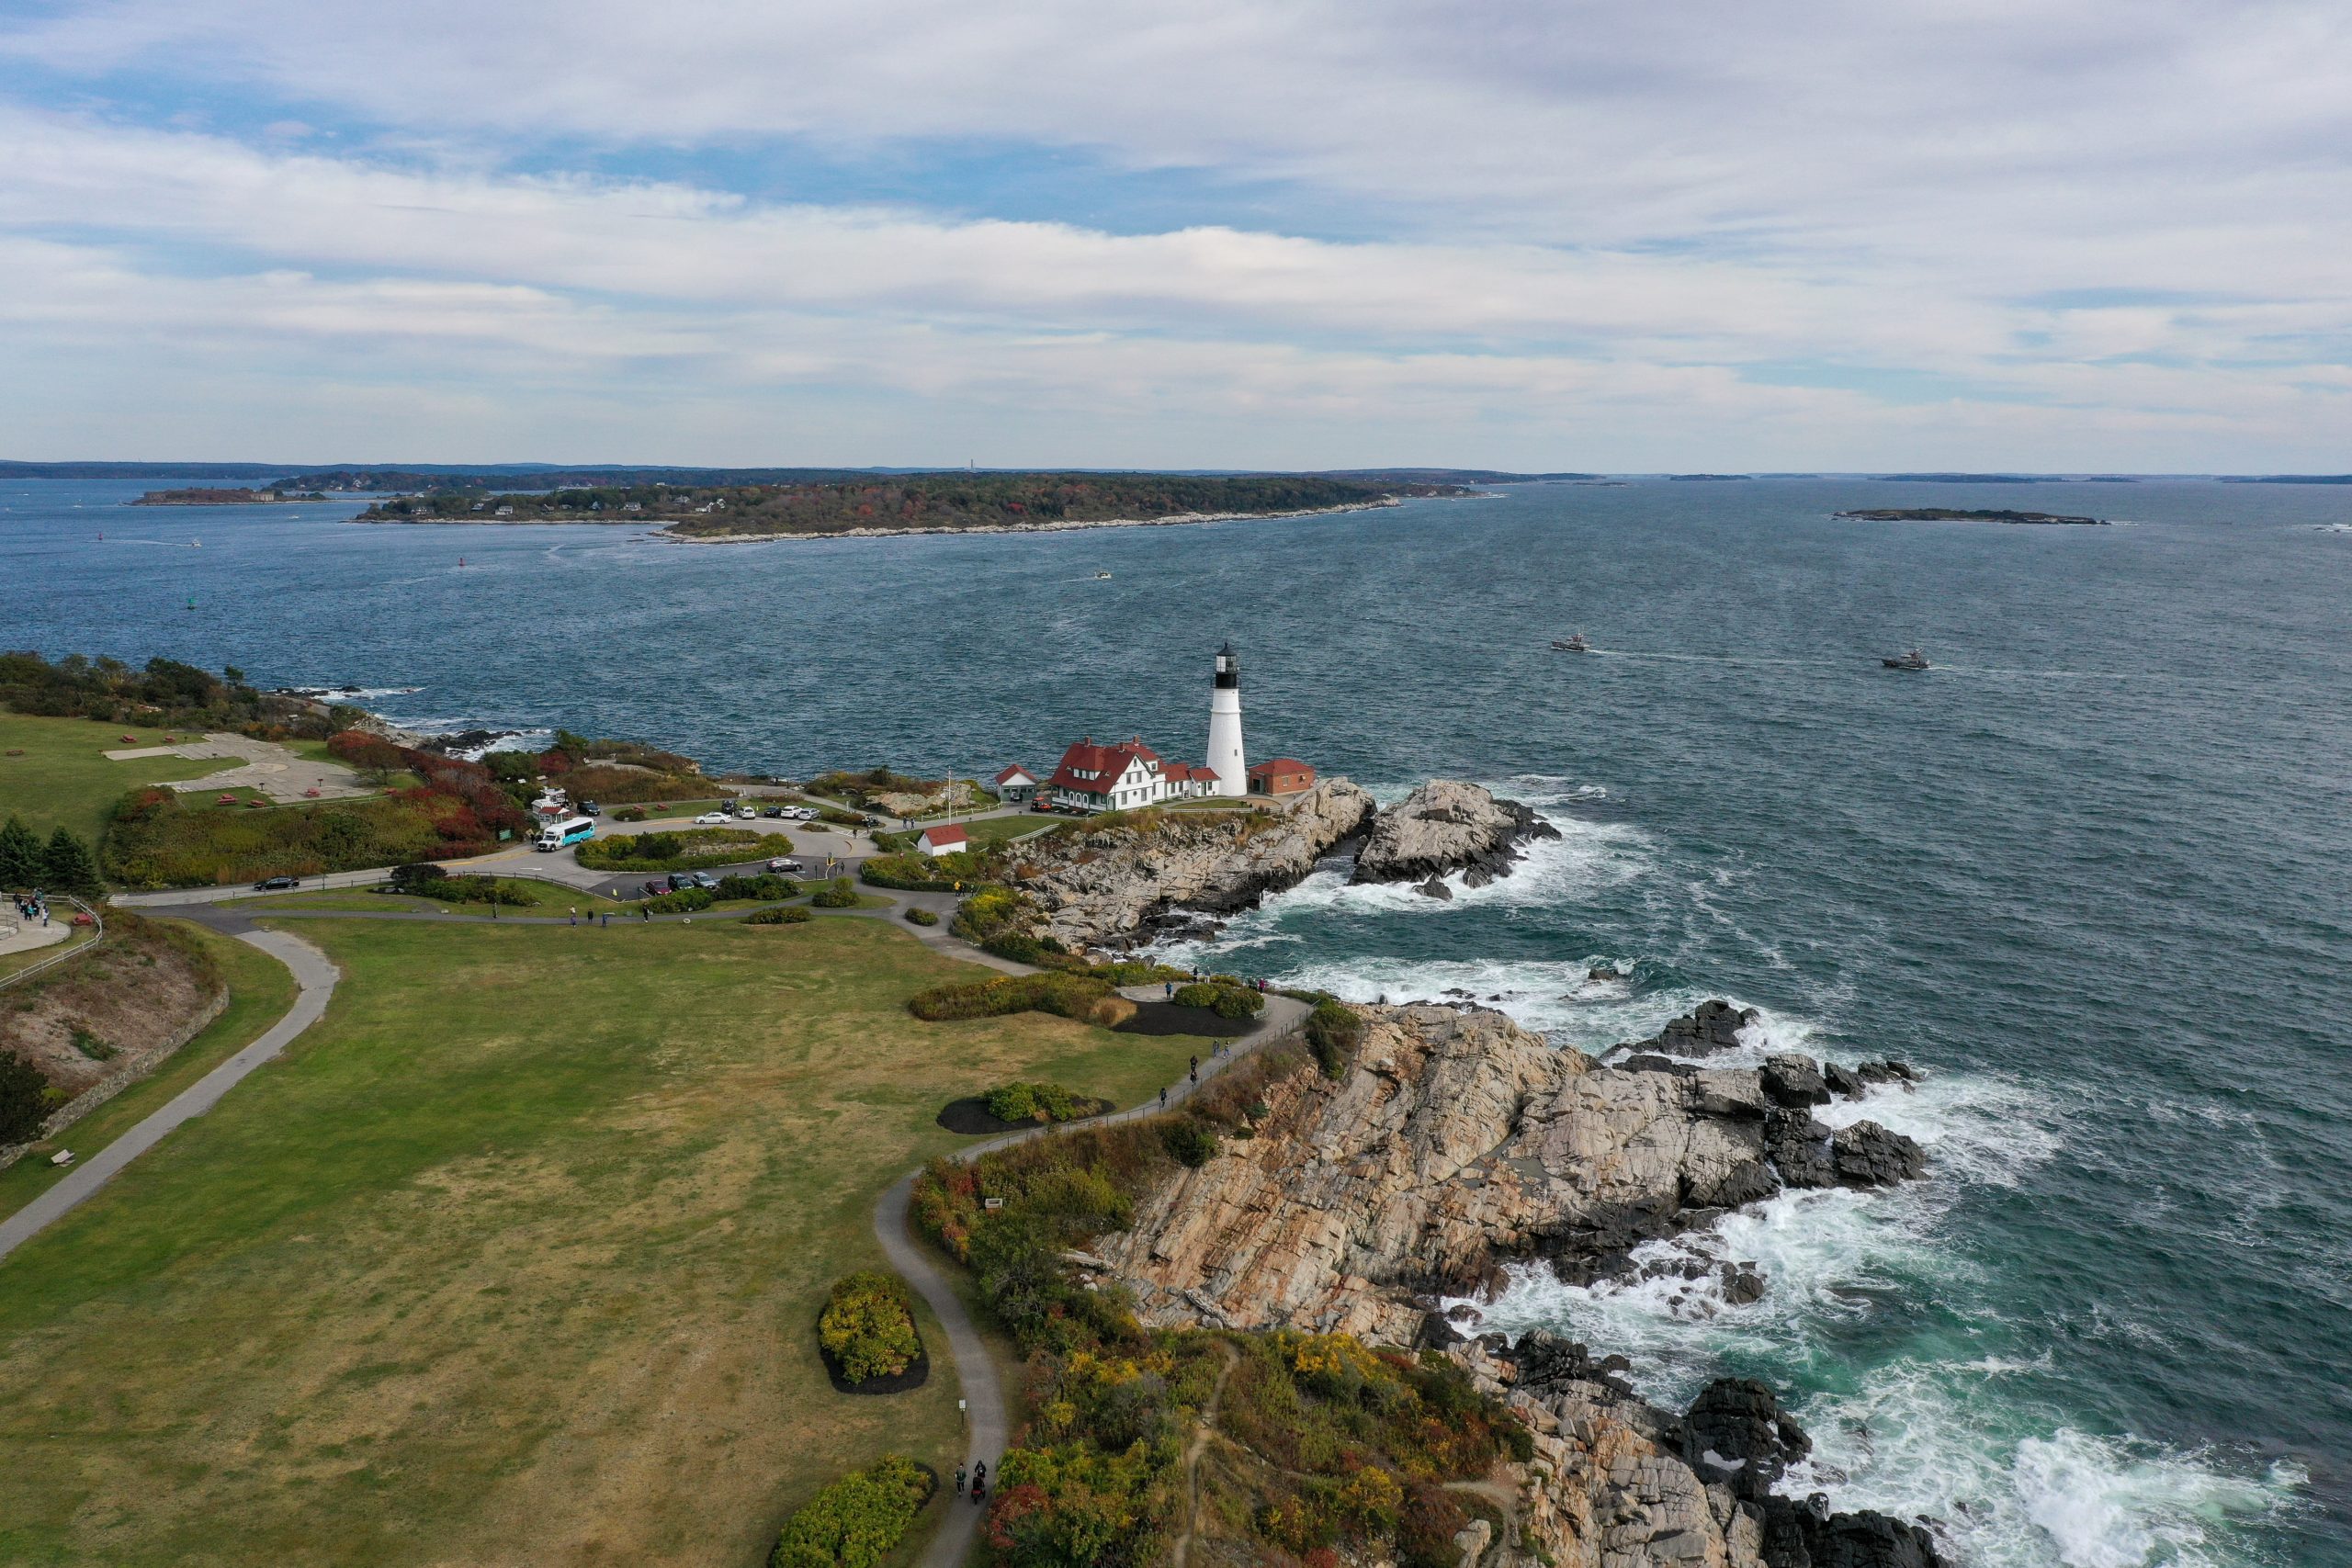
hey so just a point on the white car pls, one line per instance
(712, 819)
(804, 814)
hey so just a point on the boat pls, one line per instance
(1575, 644)
(1102, 577)
(1914, 660)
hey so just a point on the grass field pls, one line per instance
(26, 958)
(63, 779)
(260, 991)
(544, 895)
(514, 1259)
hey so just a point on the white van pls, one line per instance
(570, 831)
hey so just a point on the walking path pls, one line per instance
(312, 973)
(985, 1424)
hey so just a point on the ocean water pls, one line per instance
(2090, 874)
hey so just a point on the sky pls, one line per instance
(1817, 235)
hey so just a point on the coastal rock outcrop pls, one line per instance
(1458, 1141)
(1448, 826)
(1119, 883)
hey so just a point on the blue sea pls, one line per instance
(2093, 873)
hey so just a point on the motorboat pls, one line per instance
(1102, 577)
(1914, 660)
(1575, 644)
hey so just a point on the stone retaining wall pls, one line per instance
(122, 1078)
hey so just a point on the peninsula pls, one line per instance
(916, 504)
(1958, 515)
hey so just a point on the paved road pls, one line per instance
(986, 1431)
(317, 978)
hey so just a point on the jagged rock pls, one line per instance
(1744, 1286)
(1447, 826)
(1603, 972)
(1867, 1155)
(1118, 886)
(1887, 1072)
(1799, 1149)
(1435, 887)
(1844, 1080)
(1734, 1432)
(1472, 1540)
(1796, 1081)
(1708, 1029)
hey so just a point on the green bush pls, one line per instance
(841, 893)
(990, 911)
(1189, 1142)
(922, 917)
(680, 849)
(1199, 994)
(685, 901)
(629, 814)
(1333, 1032)
(919, 874)
(1237, 1002)
(1032, 1102)
(1045, 952)
(766, 887)
(857, 1520)
(155, 838)
(782, 915)
(868, 1326)
(24, 1099)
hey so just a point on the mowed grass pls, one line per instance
(260, 990)
(63, 778)
(514, 1259)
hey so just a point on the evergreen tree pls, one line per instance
(68, 867)
(20, 856)
(24, 1099)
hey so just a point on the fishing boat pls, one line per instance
(1914, 660)
(1102, 577)
(1575, 644)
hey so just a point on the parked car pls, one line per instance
(589, 808)
(655, 889)
(704, 880)
(744, 814)
(676, 880)
(272, 884)
(778, 812)
(712, 819)
(785, 865)
(804, 814)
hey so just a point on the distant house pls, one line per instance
(1280, 776)
(1122, 775)
(946, 838)
(504, 512)
(1015, 785)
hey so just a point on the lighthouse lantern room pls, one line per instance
(1224, 725)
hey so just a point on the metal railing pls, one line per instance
(72, 950)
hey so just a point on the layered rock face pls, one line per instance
(1459, 1140)
(1443, 827)
(1115, 885)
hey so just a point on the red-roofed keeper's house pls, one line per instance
(944, 839)
(1015, 785)
(1121, 777)
(1280, 776)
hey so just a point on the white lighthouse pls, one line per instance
(1224, 725)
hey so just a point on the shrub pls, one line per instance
(1031, 1102)
(1333, 1031)
(1199, 994)
(856, 1521)
(990, 911)
(680, 849)
(917, 873)
(24, 1099)
(1021, 947)
(766, 887)
(1080, 997)
(155, 838)
(922, 917)
(841, 893)
(868, 1326)
(1189, 1142)
(685, 901)
(465, 890)
(629, 814)
(1237, 1002)
(782, 915)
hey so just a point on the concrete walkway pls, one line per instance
(317, 978)
(986, 1432)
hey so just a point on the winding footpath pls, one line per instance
(317, 978)
(985, 1428)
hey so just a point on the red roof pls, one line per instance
(945, 833)
(1180, 772)
(1011, 773)
(1279, 765)
(1105, 763)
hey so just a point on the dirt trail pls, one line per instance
(1204, 1430)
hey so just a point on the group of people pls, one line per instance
(978, 1479)
(32, 906)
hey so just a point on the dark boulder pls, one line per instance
(1887, 1072)
(1709, 1030)
(1796, 1081)
(1807, 1535)
(1845, 1080)
(1799, 1149)
(1435, 887)
(1867, 1155)
(1734, 1433)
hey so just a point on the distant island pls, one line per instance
(1956, 515)
(198, 496)
(1708, 479)
(1962, 479)
(913, 503)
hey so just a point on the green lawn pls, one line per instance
(26, 958)
(260, 990)
(544, 897)
(514, 1259)
(63, 778)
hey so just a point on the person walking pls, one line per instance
(646, 912)
(1163, 1098)
(1196, 1070)
(962, 1473)
(1172, 990)
(574, 912)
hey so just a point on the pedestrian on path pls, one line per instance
(574, 912)
(1163, 1098)
(646, 913)
(1196, 1070)
(1172, 990)
(962, 1473)
(608, 917)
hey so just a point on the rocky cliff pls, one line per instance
(1457, 1141)
(1445, 826)
(1116, 884)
